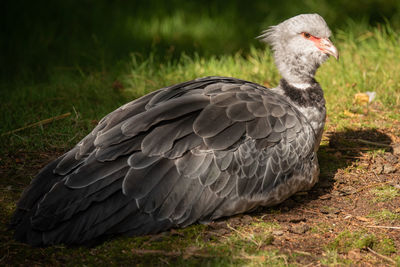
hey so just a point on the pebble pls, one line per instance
(324, 197)
(346, 190)
(329, 210)
(300, 229)
(277, 233)
(378, 169)
(390, 158)
(388, 169)
(396, 149)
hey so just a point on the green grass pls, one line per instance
(347, 241)
(385, 216)
(365, 62)
(332, 258)
(385, 193)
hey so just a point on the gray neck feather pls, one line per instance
(311, 97)
(296, 69)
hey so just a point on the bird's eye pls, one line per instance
(306, 35)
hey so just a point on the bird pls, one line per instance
(189, 153)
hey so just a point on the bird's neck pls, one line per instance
(311, 96)
(309, 101)
(298, 70)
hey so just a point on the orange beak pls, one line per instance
(326, 46)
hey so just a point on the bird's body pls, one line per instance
(192, 152)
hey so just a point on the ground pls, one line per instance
(352, 216)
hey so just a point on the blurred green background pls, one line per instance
(41, 37)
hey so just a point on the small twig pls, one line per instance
(243, 235)
(5, 255)
(39, 123)
(381, 256)
(385, 227)
(375, 175)
(157, 252)
(189, 254)
(346, 148)
(368, 186)
(310, 211)
(371, 143)
(301, 252)
(73, 137)
(282, 257)
(164, 260)
(350, 157)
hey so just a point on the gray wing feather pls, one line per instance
(227, 137)
(154, 145)
(279, 126)
(225, 161)
(221, 181)
(224, 100)
(92, 171)
(210, 175)
(183, 145)
(190, 163)
(173, 157)
(68, 162)
(228, 187)
(136, 186)
(185, 205)
(178, 193)
(172, 109)
(139, 160)
(112, 152)
(259, 128)
(257, 109)
(68, 202)
(211, 121)
(161, 192)
(239, 112)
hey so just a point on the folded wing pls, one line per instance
(168, 159)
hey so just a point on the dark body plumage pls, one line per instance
(192, 152)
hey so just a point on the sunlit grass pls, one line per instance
(366, 64)
(385, 193)
(385, 216)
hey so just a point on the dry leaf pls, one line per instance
(349, 113)
(363, 219)
(361, 99)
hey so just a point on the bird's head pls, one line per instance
(300, 44)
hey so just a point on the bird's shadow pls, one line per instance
(341, 150)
